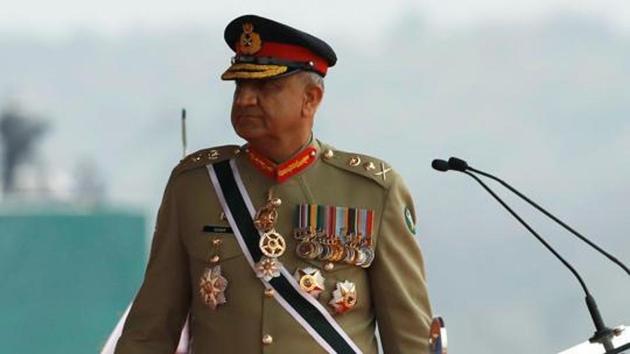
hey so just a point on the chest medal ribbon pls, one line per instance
(335, 234)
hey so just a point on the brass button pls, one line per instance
(267, 339)
(329, 266)
(328, 154)
(214, 259)
(269, 292)
(213, 155)
(217, 242)
(354, 161)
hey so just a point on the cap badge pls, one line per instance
(250, 41)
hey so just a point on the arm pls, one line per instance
(158, 313)
(397, 279)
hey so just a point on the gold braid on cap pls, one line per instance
(253, 71)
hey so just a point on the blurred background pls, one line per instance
(535, 92)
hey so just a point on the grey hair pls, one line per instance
(314, 78)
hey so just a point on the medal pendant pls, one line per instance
(338, 253)
(325, 253)
(344, 297)
(267, 216)
(268, 268)
(360, 257)
(369, 256)
(350, 254)
(303, 249)
(212, 287)
(308, 249)
(272, 244)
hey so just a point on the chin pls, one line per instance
(249, 133)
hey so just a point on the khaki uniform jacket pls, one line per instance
(391, 292)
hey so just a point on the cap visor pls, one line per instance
(253, 71)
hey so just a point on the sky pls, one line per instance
(60, 18)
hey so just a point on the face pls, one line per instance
(269, 108)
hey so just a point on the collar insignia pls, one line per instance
(285, 170)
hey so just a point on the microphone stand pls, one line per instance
(549, 215)
(603, 334)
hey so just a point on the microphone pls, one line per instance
(453, 164)
(603, 334)
(457, 164)
(440, 165)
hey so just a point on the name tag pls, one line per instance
(218, 229)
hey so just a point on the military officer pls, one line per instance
(285, 244)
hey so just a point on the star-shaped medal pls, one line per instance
(310, 280)
(344, 297)
(268, 268)
(212, 287)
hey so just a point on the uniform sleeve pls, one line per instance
(397, 278)
(158, 313)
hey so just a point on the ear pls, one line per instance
(313, 95)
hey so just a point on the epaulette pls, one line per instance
(206, 156)
(370, 167)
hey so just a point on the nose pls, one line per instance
(245, 95)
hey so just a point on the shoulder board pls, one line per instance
(370, 167)
(204, 157)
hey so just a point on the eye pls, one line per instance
(271, 85)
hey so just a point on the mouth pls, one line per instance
(246, 116)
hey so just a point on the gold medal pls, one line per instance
(344, 297)
(272, 244)
(308, 249)
(305, 248)
(266, 217)
(311, 280)
(212, 287)
(338, 253)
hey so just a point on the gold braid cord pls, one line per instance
(252, 71)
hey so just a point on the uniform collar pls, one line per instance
(281, 172)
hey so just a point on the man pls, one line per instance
(284, 245)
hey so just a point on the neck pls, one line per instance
(282, 149)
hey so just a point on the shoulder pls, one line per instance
(372, 168)
(204, 157)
